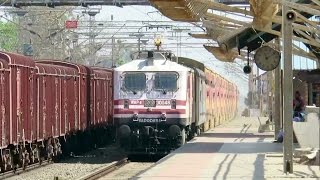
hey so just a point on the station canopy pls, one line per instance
(242, 29)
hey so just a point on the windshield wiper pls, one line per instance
(163, 90)
(133, 91)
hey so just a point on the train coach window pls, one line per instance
(135, 81)
(165, 81)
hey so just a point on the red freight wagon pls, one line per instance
(46, 108)
(56, 100)
(75, 94)
(101, 104)
(101, 96)
(66, 89)
(18, 112)
(4, 103)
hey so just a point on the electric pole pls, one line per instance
(288, 17)
(92, 54)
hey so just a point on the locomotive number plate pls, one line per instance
(147, 120)
(149, 103)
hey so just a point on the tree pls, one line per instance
(8, 36)
(43, 29)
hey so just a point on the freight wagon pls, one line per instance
(48, 107)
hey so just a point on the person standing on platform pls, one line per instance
(298, 114)
(298, 106)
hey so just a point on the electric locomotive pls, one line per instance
(160, 101)
(150, 103)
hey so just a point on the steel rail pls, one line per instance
(105, 170)
(28, 168)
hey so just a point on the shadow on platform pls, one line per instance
(230, 147)
(236, 135)
(224, 170)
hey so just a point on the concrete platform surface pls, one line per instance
(233, 151)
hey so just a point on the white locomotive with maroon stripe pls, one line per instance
(160, 102)
(151, 105)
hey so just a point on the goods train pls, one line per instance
(160, 101)
(48, 106)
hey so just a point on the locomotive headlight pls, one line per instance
(173, 104)
(126, 104)
(163, 117)
(135, 117)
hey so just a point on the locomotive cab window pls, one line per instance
(165, 81)
(134, 81)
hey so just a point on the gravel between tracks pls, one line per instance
(75, 167)
(128, 171)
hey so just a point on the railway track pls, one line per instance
(20, 170)
(105, 170)
(73, 167)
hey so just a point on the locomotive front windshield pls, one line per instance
(135, 81)
(165, 81)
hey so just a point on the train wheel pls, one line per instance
(50, 150)
(34, 154)
(67, 147)
(7, 160)
(80, 142)
(3, 163)
(41, 154)
(22, 159)
(9, 164)
(183, 136)
(25, 158)
(190, 134)
(15, 159)
(198, 131)
(94, 138)
(85, 141)
(75, 146)
(57, 147)
(2, 168)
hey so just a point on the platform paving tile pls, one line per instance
(232, 151)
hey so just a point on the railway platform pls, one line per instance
(232, 151)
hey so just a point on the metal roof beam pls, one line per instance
(85, 3)
(252, 38)
(120, 3)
